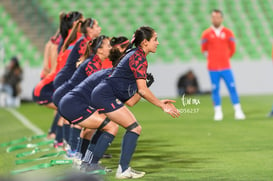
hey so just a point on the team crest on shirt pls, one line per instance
(118, 102)
(223, 35)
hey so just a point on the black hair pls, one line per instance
(97, 42)
(67, 20)
(91, 48)
(15, 60)
(217, 11)
(121, 40)
(89, 22)
(115, 54)
(142, 33)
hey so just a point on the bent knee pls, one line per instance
(137, 130)
(112, 128)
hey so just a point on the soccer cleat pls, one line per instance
(66, 146)
(90, 168)
(239, 115)
(71, 154)
(58, 146)
(218, 116)
(129, 173)
(83, 166)
(77, 161)
(270, 114)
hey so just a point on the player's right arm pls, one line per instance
(46, 68)
(53, 56)
(204, 44)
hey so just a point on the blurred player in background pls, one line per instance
(90, 29)
(43, 91)
(10, 83)
(218, 45)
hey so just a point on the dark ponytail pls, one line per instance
(67, 20)
(115, 54)
(89, 22)
(73, 35)
(142, 33)
(87, 53)
(97, 42)
(91, 48)
(122, 41)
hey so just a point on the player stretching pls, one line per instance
(218, 45)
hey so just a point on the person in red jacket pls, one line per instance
(218, 45)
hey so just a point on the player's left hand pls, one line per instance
(150, 79)
(171, 109)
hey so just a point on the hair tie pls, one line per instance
(67, 15)
(123, 43)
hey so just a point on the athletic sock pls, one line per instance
(102, 144)
(79, 145)
(91, 146)
(87, 156)
(53, 127)
(59, 134)
(84, 146)
(74, 138)
(128, 148)
(237, 107)
(218, 108)
(66, 132)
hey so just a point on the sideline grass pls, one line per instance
(193, 147)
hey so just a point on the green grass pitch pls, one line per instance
(192, 147)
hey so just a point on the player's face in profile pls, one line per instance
(106, 47)
(153, 43)
(216, 19)
(95, 30)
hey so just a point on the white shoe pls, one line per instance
(239, 115)
(129, 173)
(218, 116)
(77, 161)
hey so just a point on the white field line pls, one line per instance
(27, 123)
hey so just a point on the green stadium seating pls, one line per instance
(15, 44)
(165, 15)
(179, 23)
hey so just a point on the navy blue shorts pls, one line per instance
(74, 108)
(45, 95)
(104, 100)
(60, 79)
(60, 93)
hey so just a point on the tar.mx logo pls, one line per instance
(189, 105)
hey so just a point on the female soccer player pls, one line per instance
(90, 29)
(43, 91)
(50, 54)
(96, 52)
(49, 64)
(127, 79)
(119, 45)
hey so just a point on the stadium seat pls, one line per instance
(174, 20)
(14, 41)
